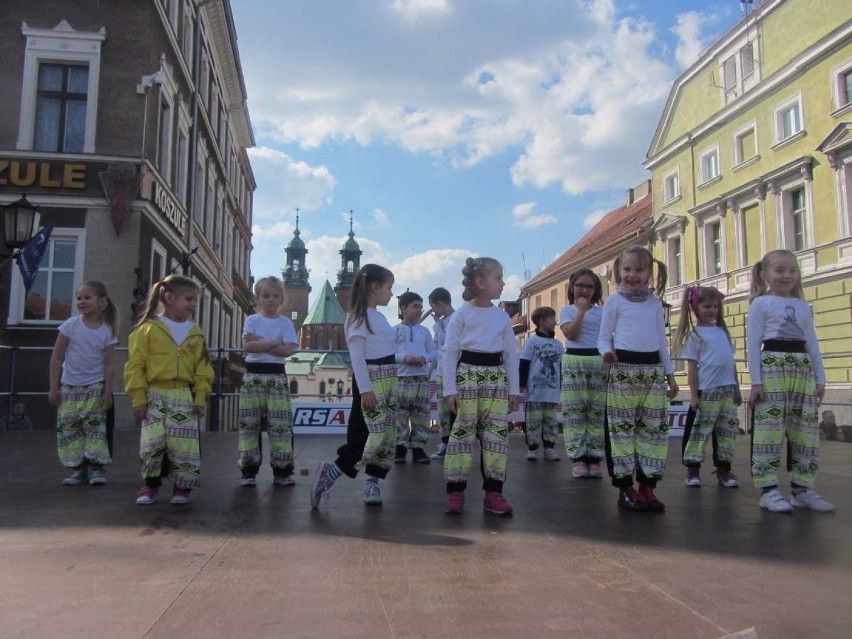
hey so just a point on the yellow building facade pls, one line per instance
(753, 152)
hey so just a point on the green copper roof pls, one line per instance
(326, 308)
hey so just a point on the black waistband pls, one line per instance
(785, 346)
(637, 357)
(585, 352)
(481, 359)
(265, 368)
(382, 361)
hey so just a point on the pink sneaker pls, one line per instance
(145, 497)
(497, 504)
(455, 504)
(180, 496)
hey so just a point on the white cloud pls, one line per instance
(563, 87)
(690, 41)
(594, 217)
(285, 184)
(524, 219)
(380, 217)
(275, 231)
(413, 9)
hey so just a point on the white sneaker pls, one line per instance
(550, 455)
(532, 455)
(774, 501)
(97, 477)
(248, 481)
(440, 451)
(372, 495)
(79, 476)
(810, 498)
(283, 481)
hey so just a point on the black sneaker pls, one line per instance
(629, 499)
(401, 452)
(418, 456)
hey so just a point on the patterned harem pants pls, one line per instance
(266, 396)
(413, 406)
(583, 406)
(170, 444)
(81, 428)
(715, 419)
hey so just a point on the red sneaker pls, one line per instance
(455, 504)
(145, 497)
(497, 504)
(630, 499)
(648, 496)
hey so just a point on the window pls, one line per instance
(747, 60)
(788, 120)
(51, 298)
(671, 186)
(729, 72)
(59, 92)
(164, 139)
(187, 43)
(202, 318)
(214, 325)
(709, 165)
(739, 70)
(60, 122)
(554, 297)
(798, 215)
(294, 315)
(294, 387)
(745, 145)
(226, 332)
(158, 262)
(715, 248)
(674, 260)
(842, 87)
(182, 156)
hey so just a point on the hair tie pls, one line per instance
(693, 298)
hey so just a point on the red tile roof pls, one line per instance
(612, 228)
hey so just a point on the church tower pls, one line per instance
(295, 276)
(350, 262)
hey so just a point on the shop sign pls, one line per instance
(24, 174)
(169, 208)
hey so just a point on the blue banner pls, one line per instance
(29, 258)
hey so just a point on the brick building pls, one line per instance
(126, 123)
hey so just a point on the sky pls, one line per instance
(454, 128)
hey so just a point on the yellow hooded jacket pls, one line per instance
(154, 359)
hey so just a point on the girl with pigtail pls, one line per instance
(480, 377)
(168, 376)
(714, 392)
(632, 340)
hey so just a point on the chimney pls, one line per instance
(629, 197)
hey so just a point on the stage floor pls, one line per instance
(241, 562)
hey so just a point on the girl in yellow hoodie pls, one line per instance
(168, 376)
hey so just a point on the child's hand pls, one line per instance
(513, 403)
(738, 397)
(250, 337)
(610, 357)
(453, 404)
(694, 403)
(673, 388)
(819, 393)
(198, 410)
(368, 400)
(582, 304)
(756, 394)
(140, 412)
(106, 401)
(53, 396)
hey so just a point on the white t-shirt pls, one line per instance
(364, 345)
(711, 348)
(588, 337)
(84, 355)
(634, 326)
(787, 318)
(545, 356)
(179, 330)
(414, 340)
(440, 330)
(277, 328)
(482, 330)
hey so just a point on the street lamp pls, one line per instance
(21, 222)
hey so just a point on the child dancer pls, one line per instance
(539, 376)
(441, 308)
(415, 356)
(371, 431)
(168, 376)
(633, 340)
(713, 388)
(481, 386)
(583, 375)
(268, 339)
(787, 383)
(85, 353)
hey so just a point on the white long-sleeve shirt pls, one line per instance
(364, 345)
(634, 326)
(414, 340)
(784, 318)
(481, 330)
